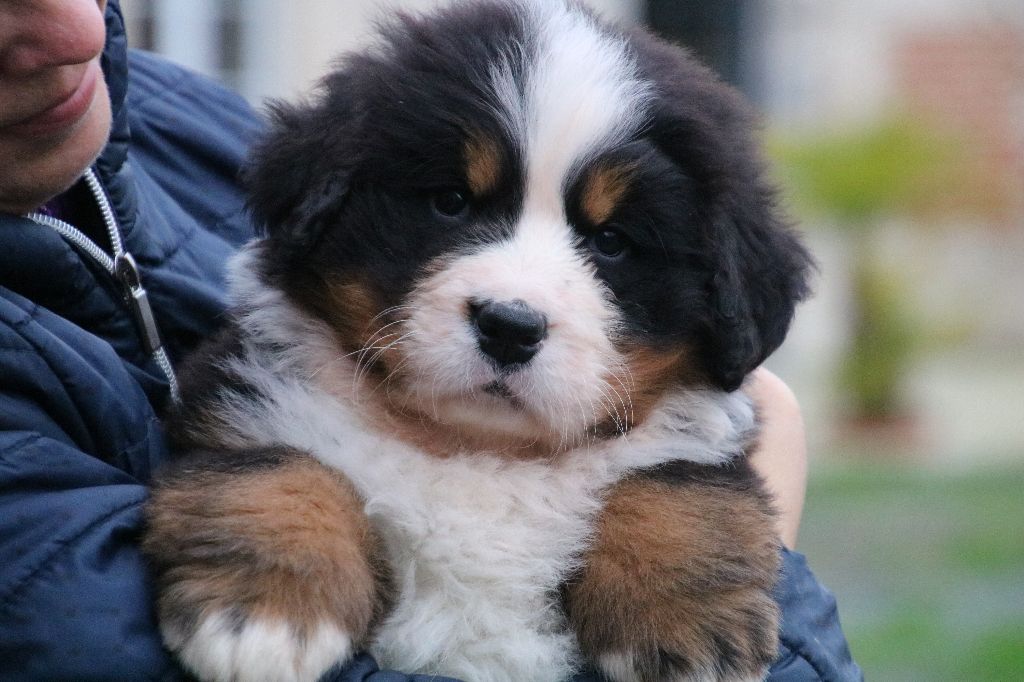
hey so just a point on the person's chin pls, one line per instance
(52, 164)
(86, 140)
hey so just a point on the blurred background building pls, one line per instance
(897, 131)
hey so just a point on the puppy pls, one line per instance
(476, 408)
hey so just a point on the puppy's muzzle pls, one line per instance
(510, 333)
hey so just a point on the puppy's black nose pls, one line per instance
(510, 333)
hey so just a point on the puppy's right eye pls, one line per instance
(609, 243)
(450, 203)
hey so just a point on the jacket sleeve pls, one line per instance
(77, 440)
(811, 644)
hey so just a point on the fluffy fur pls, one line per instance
(563, 484)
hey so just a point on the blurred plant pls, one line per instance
(885, 341)
(893, 166)
(857, 178)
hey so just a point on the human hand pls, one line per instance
(781, 453)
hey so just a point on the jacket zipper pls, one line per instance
(123, 269)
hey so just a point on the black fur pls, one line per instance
(205, 379)
(386, 133)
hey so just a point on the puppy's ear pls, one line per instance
(759, 275)
(298, 174)
(757, 267)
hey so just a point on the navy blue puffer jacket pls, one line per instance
(80, 395)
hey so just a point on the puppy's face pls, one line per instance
(525, 223)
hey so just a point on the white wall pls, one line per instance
(290, 45)
(287, 46)
(827, 62)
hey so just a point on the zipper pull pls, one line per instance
(127, 272)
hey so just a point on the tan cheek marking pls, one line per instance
(289, 544)
(348, 304)
(354, 309)
(603, 190)
(648, 373)
(675, 563)
(368, 337)
(483, 164)
(352, 305)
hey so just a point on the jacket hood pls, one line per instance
(114, 63)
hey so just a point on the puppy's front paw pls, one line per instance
(227, 646)
(694, 653)
(677, 587)
(734, 641)
(266, 567)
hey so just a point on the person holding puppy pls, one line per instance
(119, 205)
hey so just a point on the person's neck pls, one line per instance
(78, 207)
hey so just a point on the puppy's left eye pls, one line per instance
(450, 203)
(609, 243)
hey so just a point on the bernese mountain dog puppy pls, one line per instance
(478, 409)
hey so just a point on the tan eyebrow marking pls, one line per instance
(483, 164)
(603, 190)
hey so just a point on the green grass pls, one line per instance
(928, 568)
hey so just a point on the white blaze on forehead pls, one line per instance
(569, 92)
(582, 95)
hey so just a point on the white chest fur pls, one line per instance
(479, 548)
(479, 545)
